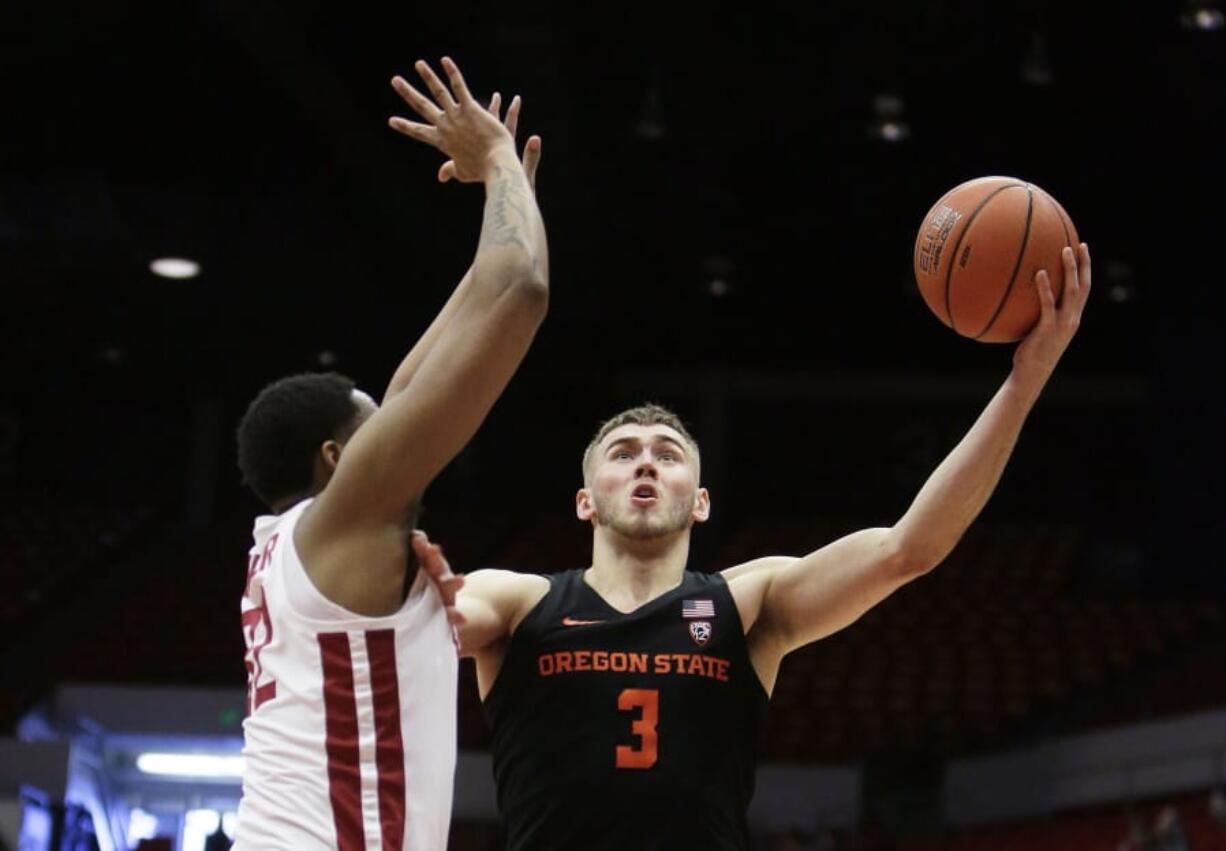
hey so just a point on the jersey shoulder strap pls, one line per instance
(564, 598)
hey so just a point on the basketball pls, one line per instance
(977, 253)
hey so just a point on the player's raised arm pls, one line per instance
(391, 458)
(807, 598)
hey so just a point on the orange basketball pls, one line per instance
(977, 253)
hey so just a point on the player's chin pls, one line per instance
(650, 528)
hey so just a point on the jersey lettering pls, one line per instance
(683, 664)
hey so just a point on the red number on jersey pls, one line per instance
(257, 633)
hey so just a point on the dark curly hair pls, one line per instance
(284, 427)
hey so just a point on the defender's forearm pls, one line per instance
(512, 240)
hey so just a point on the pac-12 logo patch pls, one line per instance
(700, 631)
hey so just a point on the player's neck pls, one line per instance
(628, 573)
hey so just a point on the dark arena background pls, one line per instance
(732, 200)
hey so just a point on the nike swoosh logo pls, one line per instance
(569, 621)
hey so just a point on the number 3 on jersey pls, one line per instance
(647, 700)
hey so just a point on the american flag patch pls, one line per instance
(697, 609)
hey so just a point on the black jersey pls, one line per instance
(627, 731)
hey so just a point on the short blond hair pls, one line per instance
(643, 415)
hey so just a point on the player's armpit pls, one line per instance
(756, 565)
(748, 583)
(391, 458)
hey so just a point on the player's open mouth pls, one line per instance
(644, 495)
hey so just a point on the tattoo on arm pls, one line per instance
(505, 213)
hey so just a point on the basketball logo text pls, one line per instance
(933, 241)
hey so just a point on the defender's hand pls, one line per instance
(456, 124)
(532, 149)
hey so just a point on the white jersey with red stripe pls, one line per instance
(350, 734)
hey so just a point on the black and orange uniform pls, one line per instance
(627, 731)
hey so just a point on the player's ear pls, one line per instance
(585, 508)
(702, 506)
(330, 454)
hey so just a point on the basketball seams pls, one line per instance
(1017, 264)
(949, 272)
(940, 201)
(919, 239)
(1064, 225)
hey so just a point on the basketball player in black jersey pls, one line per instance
(626, 698)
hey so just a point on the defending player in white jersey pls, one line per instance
(350, 734)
